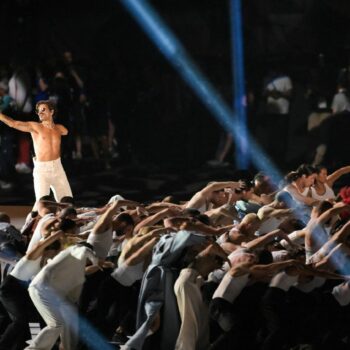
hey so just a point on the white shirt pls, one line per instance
(231, 287)
(127, 275)
(25, 269)
(304, 193)
(283, 281)
(88, 225)
(308, 287)
(270, 224)
(340, 102)
(37, 232)
(279, 105)
(329, 194)
(65, 273)
(101, 242)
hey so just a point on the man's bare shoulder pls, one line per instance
(62, 129)
(34, 125)
(266, 209)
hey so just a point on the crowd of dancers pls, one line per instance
(240, 265)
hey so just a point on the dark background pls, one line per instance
(158, 118)
(165, 135)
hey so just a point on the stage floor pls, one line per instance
(93, 186)
(17, 213)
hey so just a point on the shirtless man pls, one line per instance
(48, 171)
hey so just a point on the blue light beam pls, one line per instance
(168, 44)
(81, 329)
(239, 101)
(172, 49)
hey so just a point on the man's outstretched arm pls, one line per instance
(16, 124)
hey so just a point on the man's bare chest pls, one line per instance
(46, 135)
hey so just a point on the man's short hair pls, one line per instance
(204, 219)
(323, 206)
(260, 176)
(125, 218)
(67, 225)
(246, 186)
(50, 104)
(264, 257)
(285, 197)
(54, 246)
(67, 200)
(67, 212)
(191, 212)
(46, 198)
(4, 217)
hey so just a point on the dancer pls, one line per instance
(48, 171)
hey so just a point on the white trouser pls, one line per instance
(194, 330)
(48, 175)
(60, 317)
